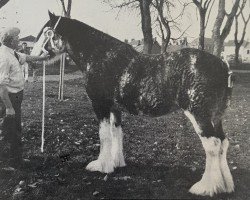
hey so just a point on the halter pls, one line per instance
(49, 34)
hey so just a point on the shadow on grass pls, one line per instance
(69, 180)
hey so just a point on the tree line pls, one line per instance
(239, 12)
(167, 20)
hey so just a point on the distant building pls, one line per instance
(177, 45)
(138, 46)
(208, 44)
(30, 40)
(174, 47)
(244, 53)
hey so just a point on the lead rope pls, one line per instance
(50, 38)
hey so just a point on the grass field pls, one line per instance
(164, 156)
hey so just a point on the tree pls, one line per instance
(219, 34)
(66, 12)
(159, 5)
(146, 25)
(238, 43)
(166, 20)
(144, 6)
(203, 8)
(3, 2)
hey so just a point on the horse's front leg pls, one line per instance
(117, 138)
(111, 144)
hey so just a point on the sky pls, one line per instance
(31, 15)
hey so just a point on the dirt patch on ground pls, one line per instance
(164, 156)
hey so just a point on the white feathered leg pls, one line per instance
(228, 179)
(117, 143)
(212, 181)
(217, 177)
(104, 163)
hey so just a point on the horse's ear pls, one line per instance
(51, 15)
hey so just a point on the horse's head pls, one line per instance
(49, 39)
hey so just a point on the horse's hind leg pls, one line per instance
(228, 179)
(214, 180)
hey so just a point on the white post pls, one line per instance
(61, 79)
(63, 69)
(43, 113)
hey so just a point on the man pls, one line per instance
(11, 90)
(25, 66)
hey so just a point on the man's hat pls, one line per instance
(9, 33)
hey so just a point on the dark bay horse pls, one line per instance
(120, 78)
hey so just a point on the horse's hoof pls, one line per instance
(229, 187)
(120, 164)
(202, 189)
(101, 166)
(206, 189)
(119, 161)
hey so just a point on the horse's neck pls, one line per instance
(92, 43)
(89, 45)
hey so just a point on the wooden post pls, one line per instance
(61, 79)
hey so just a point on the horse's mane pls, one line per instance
(95, 31)
(84, 35)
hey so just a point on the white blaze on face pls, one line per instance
(37, 49)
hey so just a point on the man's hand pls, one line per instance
(45, 56)
(37, 58)
(10, 112)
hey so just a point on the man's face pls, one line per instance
(24, 46)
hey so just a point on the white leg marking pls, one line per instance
(117, 143)
(193, 121)
(217, 177)
(229, 184)
(104, 163)
(212, 181)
